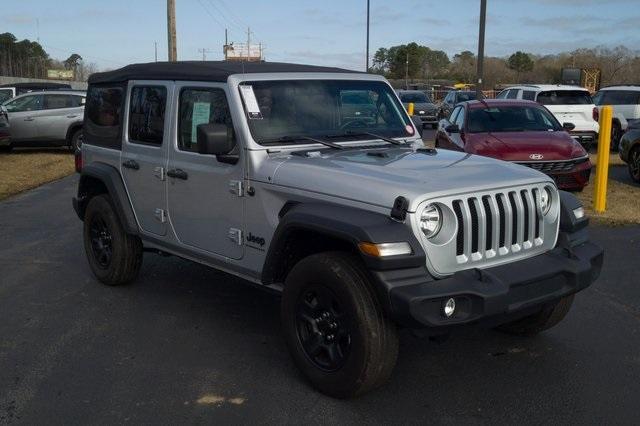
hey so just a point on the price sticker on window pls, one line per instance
(250, 102)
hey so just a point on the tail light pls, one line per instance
(596, 114)
(78, 160)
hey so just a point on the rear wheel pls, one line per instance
(334, 326)
(114, 256)
(634, 164)
(616, 134)
(76, 140)
(538, 322)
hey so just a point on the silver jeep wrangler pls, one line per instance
(315, 182)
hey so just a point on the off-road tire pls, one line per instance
(634, 164)
(616, 134)
(543, 320)
(126, 250)
(75, 141)
(373, 338)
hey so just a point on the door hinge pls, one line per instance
(235, 235)
(236, 187)
(161, 215)
(159, 172)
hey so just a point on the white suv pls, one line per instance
(569, 104)
(625, 101)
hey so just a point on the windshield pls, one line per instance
(294, 109)
(417, 97)
(511, 119)
(565, 97)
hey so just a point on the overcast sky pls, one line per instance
(330, 32)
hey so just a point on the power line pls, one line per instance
(67, 51)
(240, 22)
(211, 15)
(224, 16)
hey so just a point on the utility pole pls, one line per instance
(204, 52)
(155, 47)
(480, 70)
(367, 61)
(171, 30)
(248, 43)
(406, 72)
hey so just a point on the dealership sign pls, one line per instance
(60, 74)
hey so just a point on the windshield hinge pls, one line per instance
(236, 187)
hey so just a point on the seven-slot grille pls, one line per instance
(554, 166)
(498, 224)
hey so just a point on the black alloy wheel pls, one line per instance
(323, 329)
(101, 241)
(634, 164)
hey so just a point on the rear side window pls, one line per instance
(76, 101)
(103, 116)
(528, 95)
(57, 101)
(200, 106)
(146, 114)
(565, 97)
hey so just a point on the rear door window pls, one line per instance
(565, 97)
(513, 94)
(57, 101)
(146, 114)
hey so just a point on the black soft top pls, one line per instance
(36, 85)
(200, 71)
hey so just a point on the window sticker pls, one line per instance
(201, 112)
(253, 109)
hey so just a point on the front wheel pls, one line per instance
(334, 326)
(634, 164)
(541, 321)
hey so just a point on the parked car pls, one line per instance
(522, 132)
(625, 101)
(570, 104)
(5, 135)
(11, 90)
(46, 118)
(423, 107)
(630, 150)
(453, 98)
(358, 105)
(253, 168)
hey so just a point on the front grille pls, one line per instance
(554, 166)
(497, 224)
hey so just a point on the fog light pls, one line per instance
(578, 213)
(449, 307)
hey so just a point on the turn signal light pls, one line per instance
(596, 114)
(385, 249)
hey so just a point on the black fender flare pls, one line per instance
(346, 224)
(72, 129)
(110, 177)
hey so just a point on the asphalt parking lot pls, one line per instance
(186, 344)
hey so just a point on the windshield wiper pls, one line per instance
(285, 139)
(373, 135)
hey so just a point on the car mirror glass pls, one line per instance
(568, 126)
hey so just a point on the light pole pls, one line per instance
(480, 70)
(367, 60)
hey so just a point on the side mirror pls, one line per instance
(568, 126)
(216, 139)
(418, 123)
(452, 128)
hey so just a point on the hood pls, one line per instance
(379, 175)
(520, 146)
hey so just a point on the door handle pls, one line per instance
(72, 116)
(29, 119)
(131, 164)
(178, 174)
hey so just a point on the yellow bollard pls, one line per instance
(410, 108)
(602, 166)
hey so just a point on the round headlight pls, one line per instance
(431, 220)
(545, 200)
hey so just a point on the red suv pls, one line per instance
(523, 132)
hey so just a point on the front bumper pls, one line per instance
(494, 295)
(428, 118)
(574, 179)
